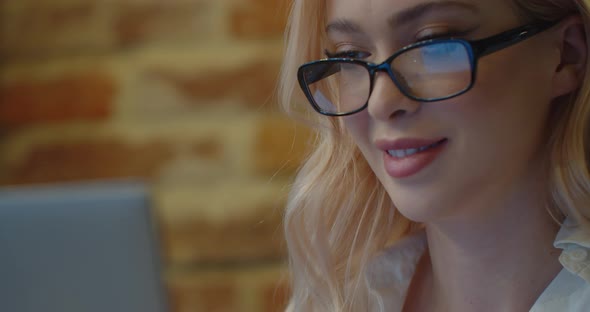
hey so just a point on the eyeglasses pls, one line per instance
(426, 71)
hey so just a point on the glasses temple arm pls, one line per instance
(498, 42)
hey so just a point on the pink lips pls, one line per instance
(408, 165)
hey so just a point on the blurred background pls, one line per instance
(177, 93)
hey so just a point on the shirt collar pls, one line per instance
(574, 240)
(391, 272)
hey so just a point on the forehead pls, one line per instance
(378, 11)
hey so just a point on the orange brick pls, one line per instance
(39, 29)
(280, 145)
(59, 162)
(203, 292)
(217, 298)
(210, 149)
(144, 22)
(67, 16)
(259, 19)
(85, 96)
(253, 84)
(256, 238)
(276, 296)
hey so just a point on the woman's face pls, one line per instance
(488, 140)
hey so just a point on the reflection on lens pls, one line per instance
(435, 70)
(338, 87)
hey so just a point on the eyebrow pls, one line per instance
(404, 17)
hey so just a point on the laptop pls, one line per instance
(79, 248)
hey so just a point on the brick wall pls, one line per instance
(177, 92)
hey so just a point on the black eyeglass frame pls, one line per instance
(475, 50)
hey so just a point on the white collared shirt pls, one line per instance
(391, 272)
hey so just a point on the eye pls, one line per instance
(439, 33)
(351, 54)
(434, 36)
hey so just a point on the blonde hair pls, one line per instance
(338, 214)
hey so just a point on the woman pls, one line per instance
(450, 170)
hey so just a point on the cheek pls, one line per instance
(513, 80)
(357, 126)
(501, 122)
(512, 90)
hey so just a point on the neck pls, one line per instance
(498, 261)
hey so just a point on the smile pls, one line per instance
(406, 157)
(401, 153)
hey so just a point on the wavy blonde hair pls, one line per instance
(338, 214)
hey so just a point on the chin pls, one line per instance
(417, 214)
(418, 208)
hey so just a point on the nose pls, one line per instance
(387, 102)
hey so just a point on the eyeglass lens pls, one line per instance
(426, 72)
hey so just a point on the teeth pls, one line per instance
(411, 151)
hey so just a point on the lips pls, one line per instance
(406, 143)
(401, 153)
(406, 157)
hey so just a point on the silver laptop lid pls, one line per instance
(78, 248)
